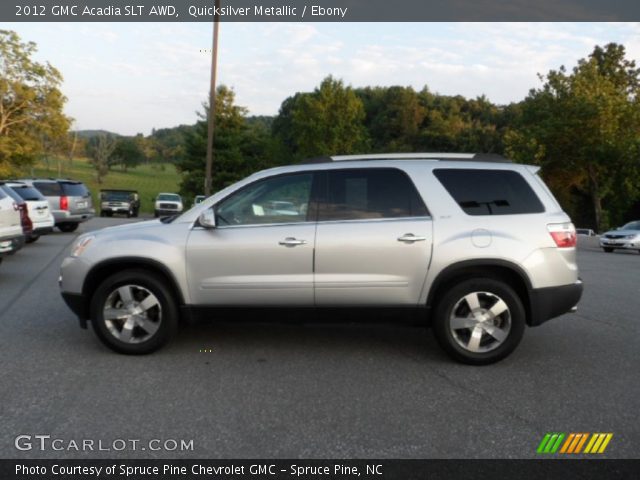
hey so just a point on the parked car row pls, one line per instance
(30, 208)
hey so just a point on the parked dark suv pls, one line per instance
(69, 200)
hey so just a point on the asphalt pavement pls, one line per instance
(315, 391)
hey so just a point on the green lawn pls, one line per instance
(148, 180)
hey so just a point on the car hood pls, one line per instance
(129, 227)
(622, 232)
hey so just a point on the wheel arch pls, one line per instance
(106, 268)
(497, 269)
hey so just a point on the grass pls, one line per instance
(148, 180)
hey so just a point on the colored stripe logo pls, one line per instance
(574, 443)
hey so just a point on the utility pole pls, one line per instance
(212, 101)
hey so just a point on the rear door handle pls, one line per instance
(410, 238)
(291, 242)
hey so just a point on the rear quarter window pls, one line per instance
(489, 192)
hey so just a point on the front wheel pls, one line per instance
(607, 249)
(133, 312)
(479, 321)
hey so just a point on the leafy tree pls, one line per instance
(394, 117)
(127, 152)
(238, 149)
(31, 119)
(583, 127)
(327, 121)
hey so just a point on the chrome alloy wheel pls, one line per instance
(132, 314)
(480, 322)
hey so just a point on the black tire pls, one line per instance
(607, 249)
(168, 309)
(102, 214)
(129, 214)
(156, 214)
(32, 238)
(68, 227)
(488, 289)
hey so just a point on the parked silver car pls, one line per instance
(626, 237)
(478, 249)
(70, 201)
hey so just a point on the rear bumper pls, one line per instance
(69, 217)
(42, 230)
(551, 302)
(9, 246)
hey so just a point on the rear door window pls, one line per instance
(74, 189)
(370, 193)
(489, 192)
(48, 189)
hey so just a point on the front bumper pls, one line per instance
(78, 305)
(168, 212)
(551, 302)
(622, 244)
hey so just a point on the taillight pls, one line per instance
(26, 222)
(564, 234)
(64, 203)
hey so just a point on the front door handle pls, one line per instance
(291, 242)
(410, 238)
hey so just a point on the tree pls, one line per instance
(100, 149)
(238, 149)
(583, 128)
(393, 117)
(31, 117)
(127, 152)
(327, 121)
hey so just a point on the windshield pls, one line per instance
(170, 197)
(117, 196)
(28, 193)
(632, 226)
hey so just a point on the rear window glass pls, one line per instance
(74, 189)
(28, 193)
(9, 191)
(489, 192)
(48, 189)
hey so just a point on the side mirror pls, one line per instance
(207, 219)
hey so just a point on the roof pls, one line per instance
(434, 156)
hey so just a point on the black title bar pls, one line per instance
(583, 469)
(318, 10)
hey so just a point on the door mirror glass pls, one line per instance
(207, 219)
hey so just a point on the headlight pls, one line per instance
(81, 244)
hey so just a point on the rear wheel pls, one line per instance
(479, 321)
(68, 227)
(32, 238)
(607, 249)
(134, 312)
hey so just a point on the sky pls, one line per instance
(129, 78)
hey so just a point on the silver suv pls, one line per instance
(476, 246)
(69, 201)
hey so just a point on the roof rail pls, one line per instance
(468, 157)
